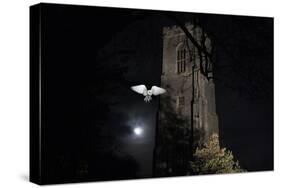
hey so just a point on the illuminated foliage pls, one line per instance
(211, 159)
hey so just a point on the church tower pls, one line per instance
(187, 115)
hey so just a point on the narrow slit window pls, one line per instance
(181, 101)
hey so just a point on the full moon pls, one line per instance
(138, 131)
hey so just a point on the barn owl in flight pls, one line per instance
(141, 89)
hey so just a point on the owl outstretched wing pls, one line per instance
(141, 89)
(157, 90)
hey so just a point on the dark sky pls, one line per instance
(93, 55)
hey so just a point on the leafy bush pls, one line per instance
(211, 159)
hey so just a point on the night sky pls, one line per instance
(91, 57)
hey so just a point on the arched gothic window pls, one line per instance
(181, 58)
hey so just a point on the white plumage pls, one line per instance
(141, 89)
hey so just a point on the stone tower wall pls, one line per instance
(181, 84)
(188, 91)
